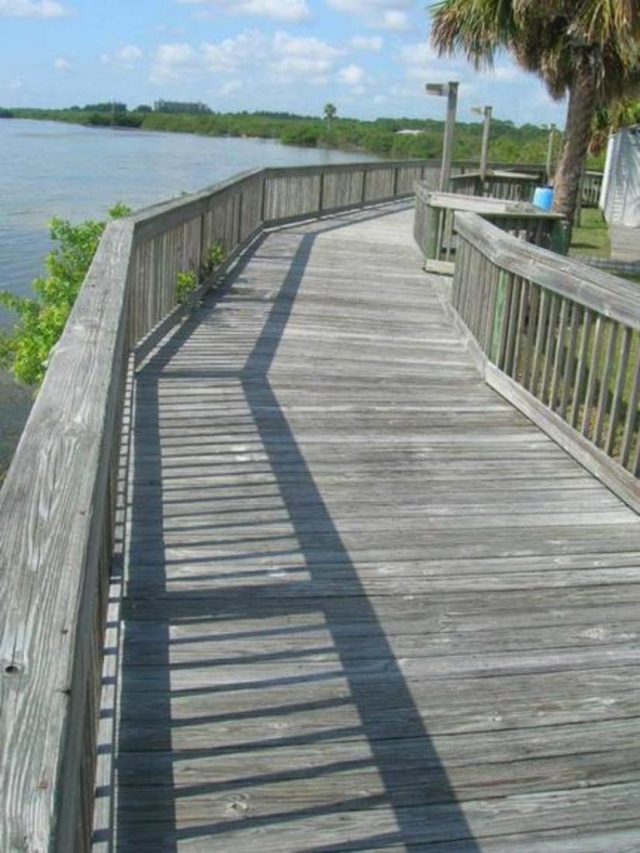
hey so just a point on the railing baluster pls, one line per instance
(519, 331)
(581, 369)
(532, 318)
(631, 419)
(618, 390)
(541, 332)
(559, 353)
(603, 397)
(593, 375)
(549, 347)
(570, 359)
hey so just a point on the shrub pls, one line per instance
(41, 318)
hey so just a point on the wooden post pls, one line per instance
(239, 232)
(485, 144)
(431, 249)
(321, 192)
(263, 201)
(498, 317)
(549, 165)
(447, 151)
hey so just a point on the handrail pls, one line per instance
(434, 223)
(558, 339)
(59, 503)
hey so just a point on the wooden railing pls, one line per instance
(591, 188)
(561, 341)
(435, 230)
(513, 186)
(62, 496)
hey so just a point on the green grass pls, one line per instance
(592, 236)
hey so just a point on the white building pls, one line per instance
(620, 195)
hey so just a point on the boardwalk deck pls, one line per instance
(624, 244)
(367, 605)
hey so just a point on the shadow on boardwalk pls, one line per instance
(273, 744)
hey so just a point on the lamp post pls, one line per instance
(486, 112)
(450, 91)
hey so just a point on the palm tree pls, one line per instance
(329, 112)
(608, 120)
(586, 49)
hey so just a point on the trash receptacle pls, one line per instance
(543, 197)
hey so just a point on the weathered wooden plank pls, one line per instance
(367, 605)
(603, 293)
(54, 558)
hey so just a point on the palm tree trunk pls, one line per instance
(582, 104)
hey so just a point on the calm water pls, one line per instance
(51, 169)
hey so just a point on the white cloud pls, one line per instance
(394, 19)
(231, 54)
(352, 75)
(14, 85)
(380, 14)
(173, 62)
(61, 64)
(293, 11)
(230, 87)
(125, 56)
(367, 43)
(32, 9)
(505, 73)
(251, 61)
(302, 56)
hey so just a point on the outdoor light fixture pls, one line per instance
(450, 91)
(486, 111)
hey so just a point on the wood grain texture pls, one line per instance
(367, 604)
(54, 560)
(58, 506)
(584, 349)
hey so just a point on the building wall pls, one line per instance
(620, 199)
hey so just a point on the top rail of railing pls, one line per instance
(59, 506)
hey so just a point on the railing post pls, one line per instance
(364, 186)
(396, 172)
(263, 201)
(239, 224)
(321, 192)
(202, 231)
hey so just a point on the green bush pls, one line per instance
(186, 283)
(41, 318)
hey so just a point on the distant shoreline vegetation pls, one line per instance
(509, 143)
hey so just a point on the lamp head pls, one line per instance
(440, 89)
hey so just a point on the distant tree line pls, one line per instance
(509, 143)
(195, 108)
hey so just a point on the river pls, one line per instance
(52, 169)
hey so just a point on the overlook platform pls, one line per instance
(366, 604)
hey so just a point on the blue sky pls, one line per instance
(369, 57)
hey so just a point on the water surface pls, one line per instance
(73, 172)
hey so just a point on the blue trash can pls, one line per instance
(543, 198)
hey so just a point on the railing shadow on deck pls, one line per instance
(430, 811)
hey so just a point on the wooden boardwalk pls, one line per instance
(367, 605)
(625, 243)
